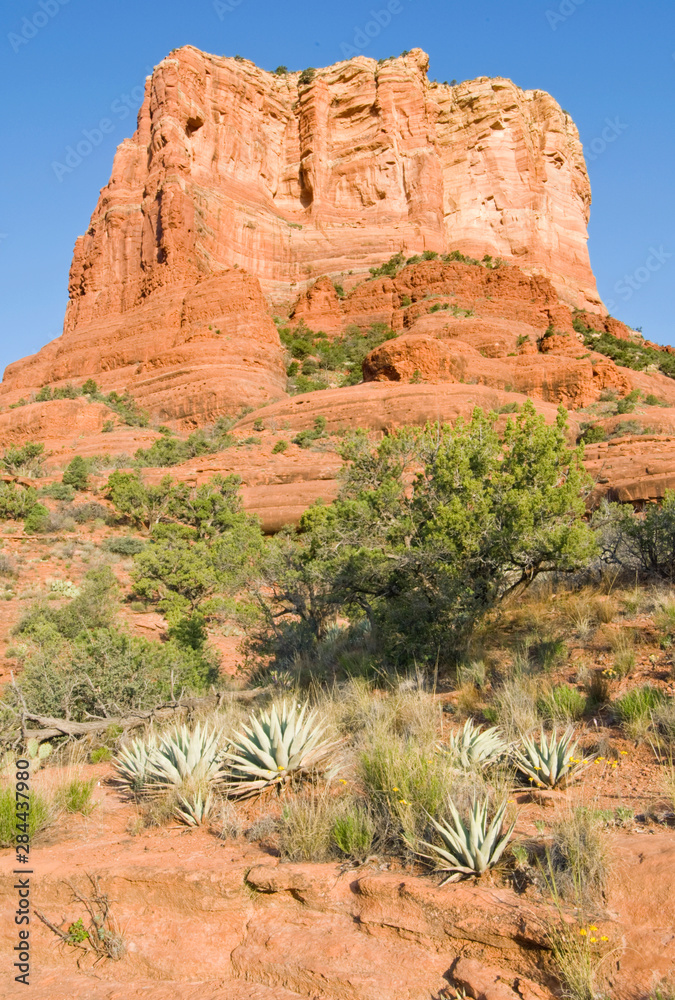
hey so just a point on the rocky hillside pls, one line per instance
(252, 211)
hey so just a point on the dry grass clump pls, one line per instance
(322, 825)
(577, 860)
(74, 795)
(579, 614)
(624, 659)
(514, 706)
(41, 814)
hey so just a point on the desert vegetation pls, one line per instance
(428, 664)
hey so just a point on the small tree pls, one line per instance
(143, 503)
(431, 529)
(643, 540)
(77, 474)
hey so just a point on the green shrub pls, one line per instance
(627, 353)
(16, 502)
(625, 405)
(342, 355)
(26, 460)
(93, 608)
(190, 631)
(37, 520)
(424, 565)
(107, 672)
(307, 76)
(638, 703)
(100, 754)
(389, 269)
(77, 474)
(562, 703)
(305, 439)
(353, 831)
(648, 538)
(280, 447)
(125, 407)
(68, 391)
(58, 491)
(592, 434)
(75, 795)
(40, 815)
(127, 545)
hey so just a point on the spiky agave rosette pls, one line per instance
(183, 761)
(469, 849)
(474, 746)
(132, 761)
(183, 756)
(552, 762)
(275, 746)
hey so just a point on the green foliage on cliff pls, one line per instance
(627, 353)
(316, 360)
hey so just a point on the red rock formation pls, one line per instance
(231, 167)
(555, 378)
(189, 353)
(383, 406)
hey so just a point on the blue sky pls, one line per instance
(66, 64)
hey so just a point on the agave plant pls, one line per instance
(473, 848)
(274, 746)
(194, 808)
(184, 757)
(474, 746)
(132, 763)
(553, 761)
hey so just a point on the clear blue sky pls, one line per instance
(604, 62)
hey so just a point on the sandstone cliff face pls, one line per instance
(234, 165)
(239, 184)
(187, 354)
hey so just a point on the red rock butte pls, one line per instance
(240, 187)
(245, 195)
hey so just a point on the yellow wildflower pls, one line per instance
(583, 931)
